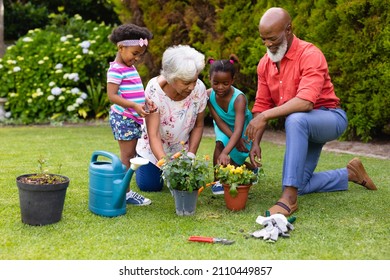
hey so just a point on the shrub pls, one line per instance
(47, 73)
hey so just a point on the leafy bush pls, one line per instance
(47, 73)
(20, 17)
(23, 15)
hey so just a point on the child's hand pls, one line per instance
(223, 159)
(140, 109)
(149, 106)
(240, 146)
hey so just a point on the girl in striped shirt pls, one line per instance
(126, 92)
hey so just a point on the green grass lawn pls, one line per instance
(350, 225)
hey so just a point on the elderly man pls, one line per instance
(294, 82)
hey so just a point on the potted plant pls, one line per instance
(184, 175)
(42, 196)
(236, 181)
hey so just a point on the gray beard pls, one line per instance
(280, 52)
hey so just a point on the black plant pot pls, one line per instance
(41, 204)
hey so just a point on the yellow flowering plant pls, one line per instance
(234, 176)
(185, 172)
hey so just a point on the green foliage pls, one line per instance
(24, 15)
(19, 18)
(355, 36)
(45, 74)
(97, 101)
(234, 176)
(185, 173)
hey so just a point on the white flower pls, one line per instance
(85, 44)
(27, 39)
(41, 62)
(1, 66)
(84, 96)
(58, 66)
(52, 84)
(50, 97)
(16, 69)
(63, 38)
(79, 100)
(56, 91)
(7, 115)
(70, 108)
(74, 90)
(73, 76)
(85, 51)
(9, 61)
(58, 71)
(37, 93)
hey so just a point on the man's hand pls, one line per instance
(257, 124)
(255, 155)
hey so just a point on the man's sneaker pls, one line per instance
(217, 188)
(136, 199)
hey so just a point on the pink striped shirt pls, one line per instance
(130, 88)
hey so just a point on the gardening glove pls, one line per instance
(274, 226)
(192, 156)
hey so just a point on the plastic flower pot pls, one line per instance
(185, 202)
(41, 204)
(238, 202)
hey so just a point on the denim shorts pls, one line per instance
(124, 128)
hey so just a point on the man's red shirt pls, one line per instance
(303, 73)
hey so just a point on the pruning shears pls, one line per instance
(205, 239)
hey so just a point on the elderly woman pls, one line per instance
(181, 100)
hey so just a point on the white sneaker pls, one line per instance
(136, 199)
(217, 188)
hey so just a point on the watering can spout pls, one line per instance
(123, 184)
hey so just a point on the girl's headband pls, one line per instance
(129, 43)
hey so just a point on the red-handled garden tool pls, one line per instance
(205, 239)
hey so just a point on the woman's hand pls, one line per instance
(149, 106)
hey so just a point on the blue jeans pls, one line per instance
(148, 178)
(306, 134)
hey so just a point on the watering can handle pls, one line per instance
(114, 159)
